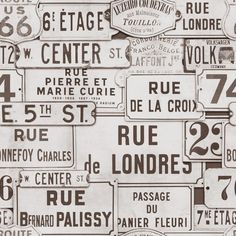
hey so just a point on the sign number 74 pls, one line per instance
(222, 80)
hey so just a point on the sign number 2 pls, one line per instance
(203, 140)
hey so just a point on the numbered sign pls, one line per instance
(216, 88)
(56, 113)
(220, 188)
(214, 219)
(11, 86)
(8, 182)
(203, 140)
(19, 20)
(75, 21)
(7, 55)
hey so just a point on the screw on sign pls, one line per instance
(143, 18)
(216, 88)
(15, 230)
(79, 54)
(6, 217)
(8, 179)
(10, 85)
(199, 19)
(209, 52)
(220, 188)
(7, 58)
(75, 21)
(50, 113)
(203, 140)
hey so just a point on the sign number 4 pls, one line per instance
(5, 80)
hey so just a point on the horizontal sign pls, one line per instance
(72, 84)
(53, 178)
(143, 18)
(11, 86)
(75, 21)
(19, 20)
(161, 97)
(156, 55)
(56, 113)
(153, 55)
(217, 219)
(220, 188)
(203, 140)
(8, 180)
(25, 147)
(229, 146)
(216, 88)
(89, 54)
(198, 19)
(229, 21)
(210, 52)
(7, 55)
(135, 152)
(70, 211)
(154, 207)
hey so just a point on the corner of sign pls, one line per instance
(200, 107)
(178, 15)
(232, 113)
(120, 78)
(230, 231)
